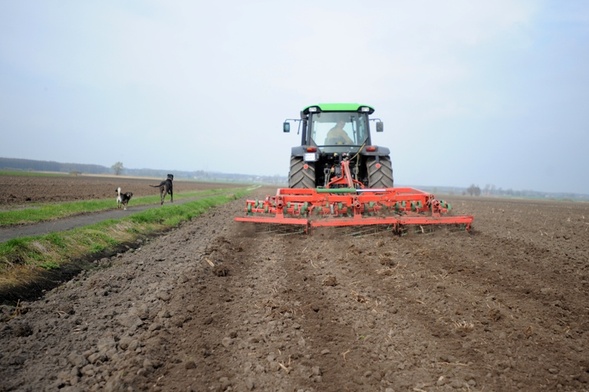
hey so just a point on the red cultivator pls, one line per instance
(352, 205)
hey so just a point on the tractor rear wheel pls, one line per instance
(380, 172)
(299, 176)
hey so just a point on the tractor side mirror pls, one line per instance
(379, 126)
(286, 127)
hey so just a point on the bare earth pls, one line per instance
(20, 190)
(220, 306)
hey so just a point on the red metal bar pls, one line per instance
(354, 207)
(346, 202)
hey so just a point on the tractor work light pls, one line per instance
(364, 109)
(313, 109)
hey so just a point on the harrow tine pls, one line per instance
(370, 230)
(280, 229)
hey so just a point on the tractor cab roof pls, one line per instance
(338, 107)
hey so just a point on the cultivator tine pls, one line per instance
(370, 230)
(280, 229)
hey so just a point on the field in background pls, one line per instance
(27, 188)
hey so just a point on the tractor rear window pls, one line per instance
(337, 128)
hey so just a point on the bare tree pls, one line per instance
(473, 190)
(118, 168)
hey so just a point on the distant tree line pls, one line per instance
(50, 166)
(118, 168)
(201, 175)
(492, 190)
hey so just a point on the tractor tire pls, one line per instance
(299, 177)
(380, 176)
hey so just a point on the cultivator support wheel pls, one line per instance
(332, 207)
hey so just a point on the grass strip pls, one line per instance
(23, 259)
(51, 211)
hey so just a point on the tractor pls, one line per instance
(337, 177)
(332, 133)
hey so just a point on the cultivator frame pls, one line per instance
(346, 202)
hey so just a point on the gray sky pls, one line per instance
(470, 92)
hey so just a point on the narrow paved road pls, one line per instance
(8, 233)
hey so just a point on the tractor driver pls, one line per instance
(337, 135)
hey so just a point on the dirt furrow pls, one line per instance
(109, 328)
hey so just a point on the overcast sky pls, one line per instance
(470, 92)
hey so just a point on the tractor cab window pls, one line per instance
(338, 128)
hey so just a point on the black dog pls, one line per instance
(123, 198)
(166, 187)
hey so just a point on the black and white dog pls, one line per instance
(123, 198)
(166, 186)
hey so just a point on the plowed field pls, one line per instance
(220, 306)
(19, 190)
